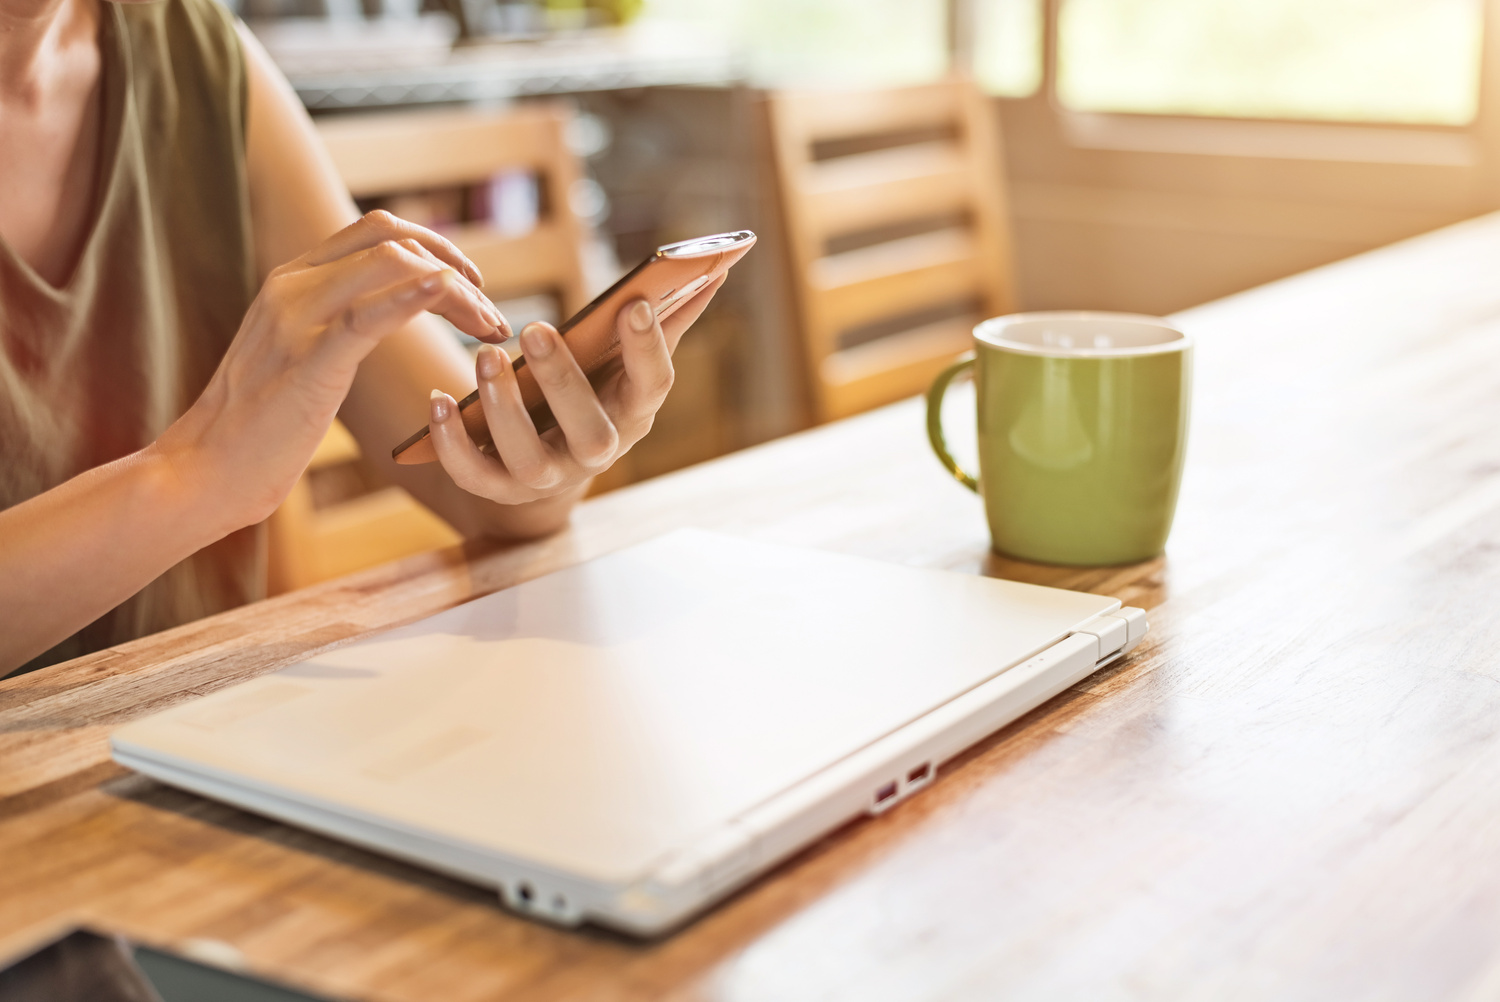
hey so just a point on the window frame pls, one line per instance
(1328, 140)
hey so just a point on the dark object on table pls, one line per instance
(81, 966)
(85, 966)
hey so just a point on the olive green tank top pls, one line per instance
(98, 368)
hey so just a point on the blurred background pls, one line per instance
(911, 165)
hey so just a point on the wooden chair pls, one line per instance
(894, 209)
(312, 542)
(386, 154)
(403, 152)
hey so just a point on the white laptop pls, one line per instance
(630, 739)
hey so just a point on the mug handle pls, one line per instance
(935, 395)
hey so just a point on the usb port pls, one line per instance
(920, 773)
(886, 792)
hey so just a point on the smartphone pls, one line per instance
(667, 279)
(88, 966)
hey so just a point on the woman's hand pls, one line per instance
(248, 437)
(593, 429)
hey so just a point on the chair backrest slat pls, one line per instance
(378, 154)
(829, 115)
(880, 189)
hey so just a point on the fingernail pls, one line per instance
(440, 406)
(488, 362)
(432, 282)
(535, 342)
(640, 315)
(474, 275)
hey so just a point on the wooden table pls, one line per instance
(1291, 791)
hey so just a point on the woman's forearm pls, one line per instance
(73, 553)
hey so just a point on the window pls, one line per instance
(858, 43)
(1388, 61)
(1007, 52)
(1412, 62)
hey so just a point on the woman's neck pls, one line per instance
(39, 43)
(49, 129)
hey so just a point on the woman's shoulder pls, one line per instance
(203, 24)
(187, 51)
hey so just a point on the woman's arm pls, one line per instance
(71, 554)
(296, 200)
(314, 341)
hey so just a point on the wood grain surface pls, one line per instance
(1290, 791)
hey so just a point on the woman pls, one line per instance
(187, 299)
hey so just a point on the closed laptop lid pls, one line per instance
(596, 719)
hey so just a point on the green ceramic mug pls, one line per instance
(1082, 426)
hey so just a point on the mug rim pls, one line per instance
(983, 334)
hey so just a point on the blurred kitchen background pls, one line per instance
(1142, 155)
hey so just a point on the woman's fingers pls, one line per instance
(591, 435)
(485, 305)
(530, 466)
(319, 295)
(648, 364)
(465, 464)
(379, 226)
(369, 318)
(529, 459)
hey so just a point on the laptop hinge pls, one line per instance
(1117, 632)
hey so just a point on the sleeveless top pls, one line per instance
(98, 368)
